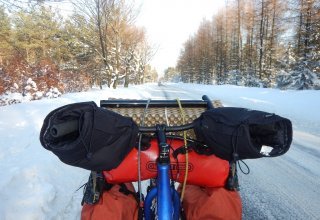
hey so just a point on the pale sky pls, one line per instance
(169, 23)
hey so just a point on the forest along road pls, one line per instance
(286, 187)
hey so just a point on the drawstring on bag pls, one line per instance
(233, 180)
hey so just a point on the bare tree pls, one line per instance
(114, 39)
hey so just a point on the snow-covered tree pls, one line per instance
(252, 81)
(171, 74)
(300, 78)
(235, 78)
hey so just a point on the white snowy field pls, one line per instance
(36, 185)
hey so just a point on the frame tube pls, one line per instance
(148, 203)
(164, 198)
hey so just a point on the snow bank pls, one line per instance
(34, 183)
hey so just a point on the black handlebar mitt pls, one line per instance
(100, 140)
(239, 133)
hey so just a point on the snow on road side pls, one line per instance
(301, 107)
(34, 183)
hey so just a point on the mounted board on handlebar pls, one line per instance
(161, 112)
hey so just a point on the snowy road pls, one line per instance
(36, 185)
(286, 187)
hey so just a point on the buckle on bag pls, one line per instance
(94, 188)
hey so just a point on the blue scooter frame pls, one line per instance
(168, 201)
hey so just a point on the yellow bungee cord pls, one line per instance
(186, 148)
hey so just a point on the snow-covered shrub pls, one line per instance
(11, 98)
(31, 86)
(300, 78)
(53, 93)
(75, 82)
(265, 83)
(30, 89)
(235, 77)
(252, 81)
(14, 88)
(47, 76)
(176, 79)
(283, 80)
(38, 95)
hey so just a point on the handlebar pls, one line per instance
(167, 129)
(65, 128)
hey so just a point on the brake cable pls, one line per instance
(139, 154)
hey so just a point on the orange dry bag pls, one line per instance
(113, 204)
(201, 203)
(203, 170)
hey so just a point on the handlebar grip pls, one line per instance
(209, 103)
(62, 129)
